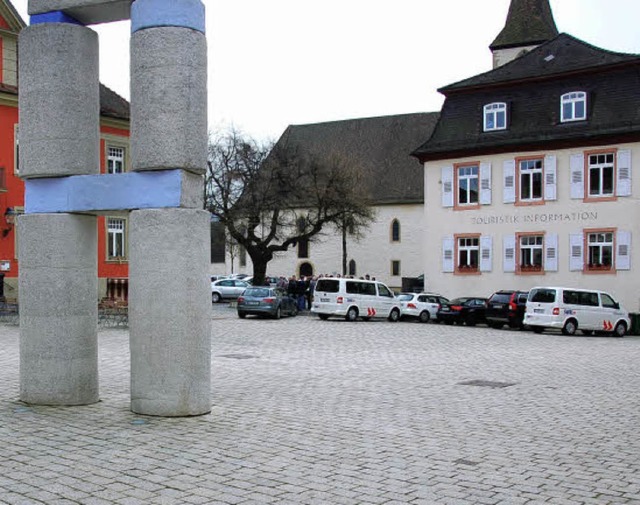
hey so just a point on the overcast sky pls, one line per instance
(280, 62)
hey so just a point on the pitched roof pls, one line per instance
(381, 144)
(561, 55)
(112, 104)
(529, 22)
(531, 86)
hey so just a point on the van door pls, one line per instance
(385, 300)
(592, 315)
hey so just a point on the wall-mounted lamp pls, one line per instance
(10, 218)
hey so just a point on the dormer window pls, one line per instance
(573, 106)
(495, 116)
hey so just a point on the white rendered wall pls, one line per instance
(497, 220)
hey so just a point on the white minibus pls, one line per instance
(354, 298)
(572, 309)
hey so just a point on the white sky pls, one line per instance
(280, 62)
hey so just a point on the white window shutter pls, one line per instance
(576, 253)
(623, 250)
(509, 178)
(485, 183)
(550, 177)
(551, 252)
(509, 253)
(576, 167)
(623, 174)
(448, 248)
(447, 186)
(486, 254)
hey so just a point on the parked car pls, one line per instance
(421, 306)
(227, 289)
(273, 281)
(570, 309)
(465, 310)
(266, 301)
(506, 307)
(351, 299)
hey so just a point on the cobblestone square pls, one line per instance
(312, 412)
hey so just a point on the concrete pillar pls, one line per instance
(59, 136)
(59, 101)
(168, 92)
(58, 309)
(169, 312)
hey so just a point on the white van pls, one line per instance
(570, 309)
(353, 298)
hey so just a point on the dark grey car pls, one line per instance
(265, 301)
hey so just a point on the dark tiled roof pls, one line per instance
(529, 22)
(611, 81)
(561, 55)
(381, 144)
(112, 104)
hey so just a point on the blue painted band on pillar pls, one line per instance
(176, 13)
(53, 17)
(96, 193)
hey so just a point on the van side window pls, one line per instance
(328, 285)
(543, 295)
(608, 302)
(571, 297)
(382, 289)
(367, 288)
(353, 287)
(590, 299)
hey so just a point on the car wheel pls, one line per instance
(620, 330)
(570, 327)
(294, 311)
(242, 315)
(215, 297)
(471, 321)
(278, 313)
(324, 317)
(424, 316)
(394, 316)
(352, 314)
(537, 329)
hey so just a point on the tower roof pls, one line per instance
(529, 22)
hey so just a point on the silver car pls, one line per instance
(421, 306)
(229, 289)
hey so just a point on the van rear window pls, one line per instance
(328, 285)
(542, 295)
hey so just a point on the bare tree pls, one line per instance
(270, 197)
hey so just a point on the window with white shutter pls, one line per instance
(623, 182)
(486, 254)
(509, 253)
(576, 257)
(509, 181)
(485, 183)
(623, 250)
(576, 168)
(447, 186)
(448, 248)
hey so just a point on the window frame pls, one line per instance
(534, 269)
(572, 98)
(395, 231)
(494, 109)
(518, 180)
(108, 147)
(467, 269)
(125, 242)
(456, 185)
(602, 197)
(599, 269)
(395, 268)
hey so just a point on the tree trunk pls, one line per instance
(260, 263)
(344, 250)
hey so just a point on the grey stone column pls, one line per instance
(58, 309)
(169, 312)
(59, 124)
(169, 99)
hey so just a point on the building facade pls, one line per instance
(528, 174)
(114, 156)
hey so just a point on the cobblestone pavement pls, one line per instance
(312, 412)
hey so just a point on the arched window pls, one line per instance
(495, 116)
(395, 231)
(352, 268)
(305, 270)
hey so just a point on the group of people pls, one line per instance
(301, 289)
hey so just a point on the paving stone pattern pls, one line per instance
(312, 412)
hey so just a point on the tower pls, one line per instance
(529, 24)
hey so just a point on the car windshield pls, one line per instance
(459, 301)
(257, 292)
(404, 297)
(501, 297)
